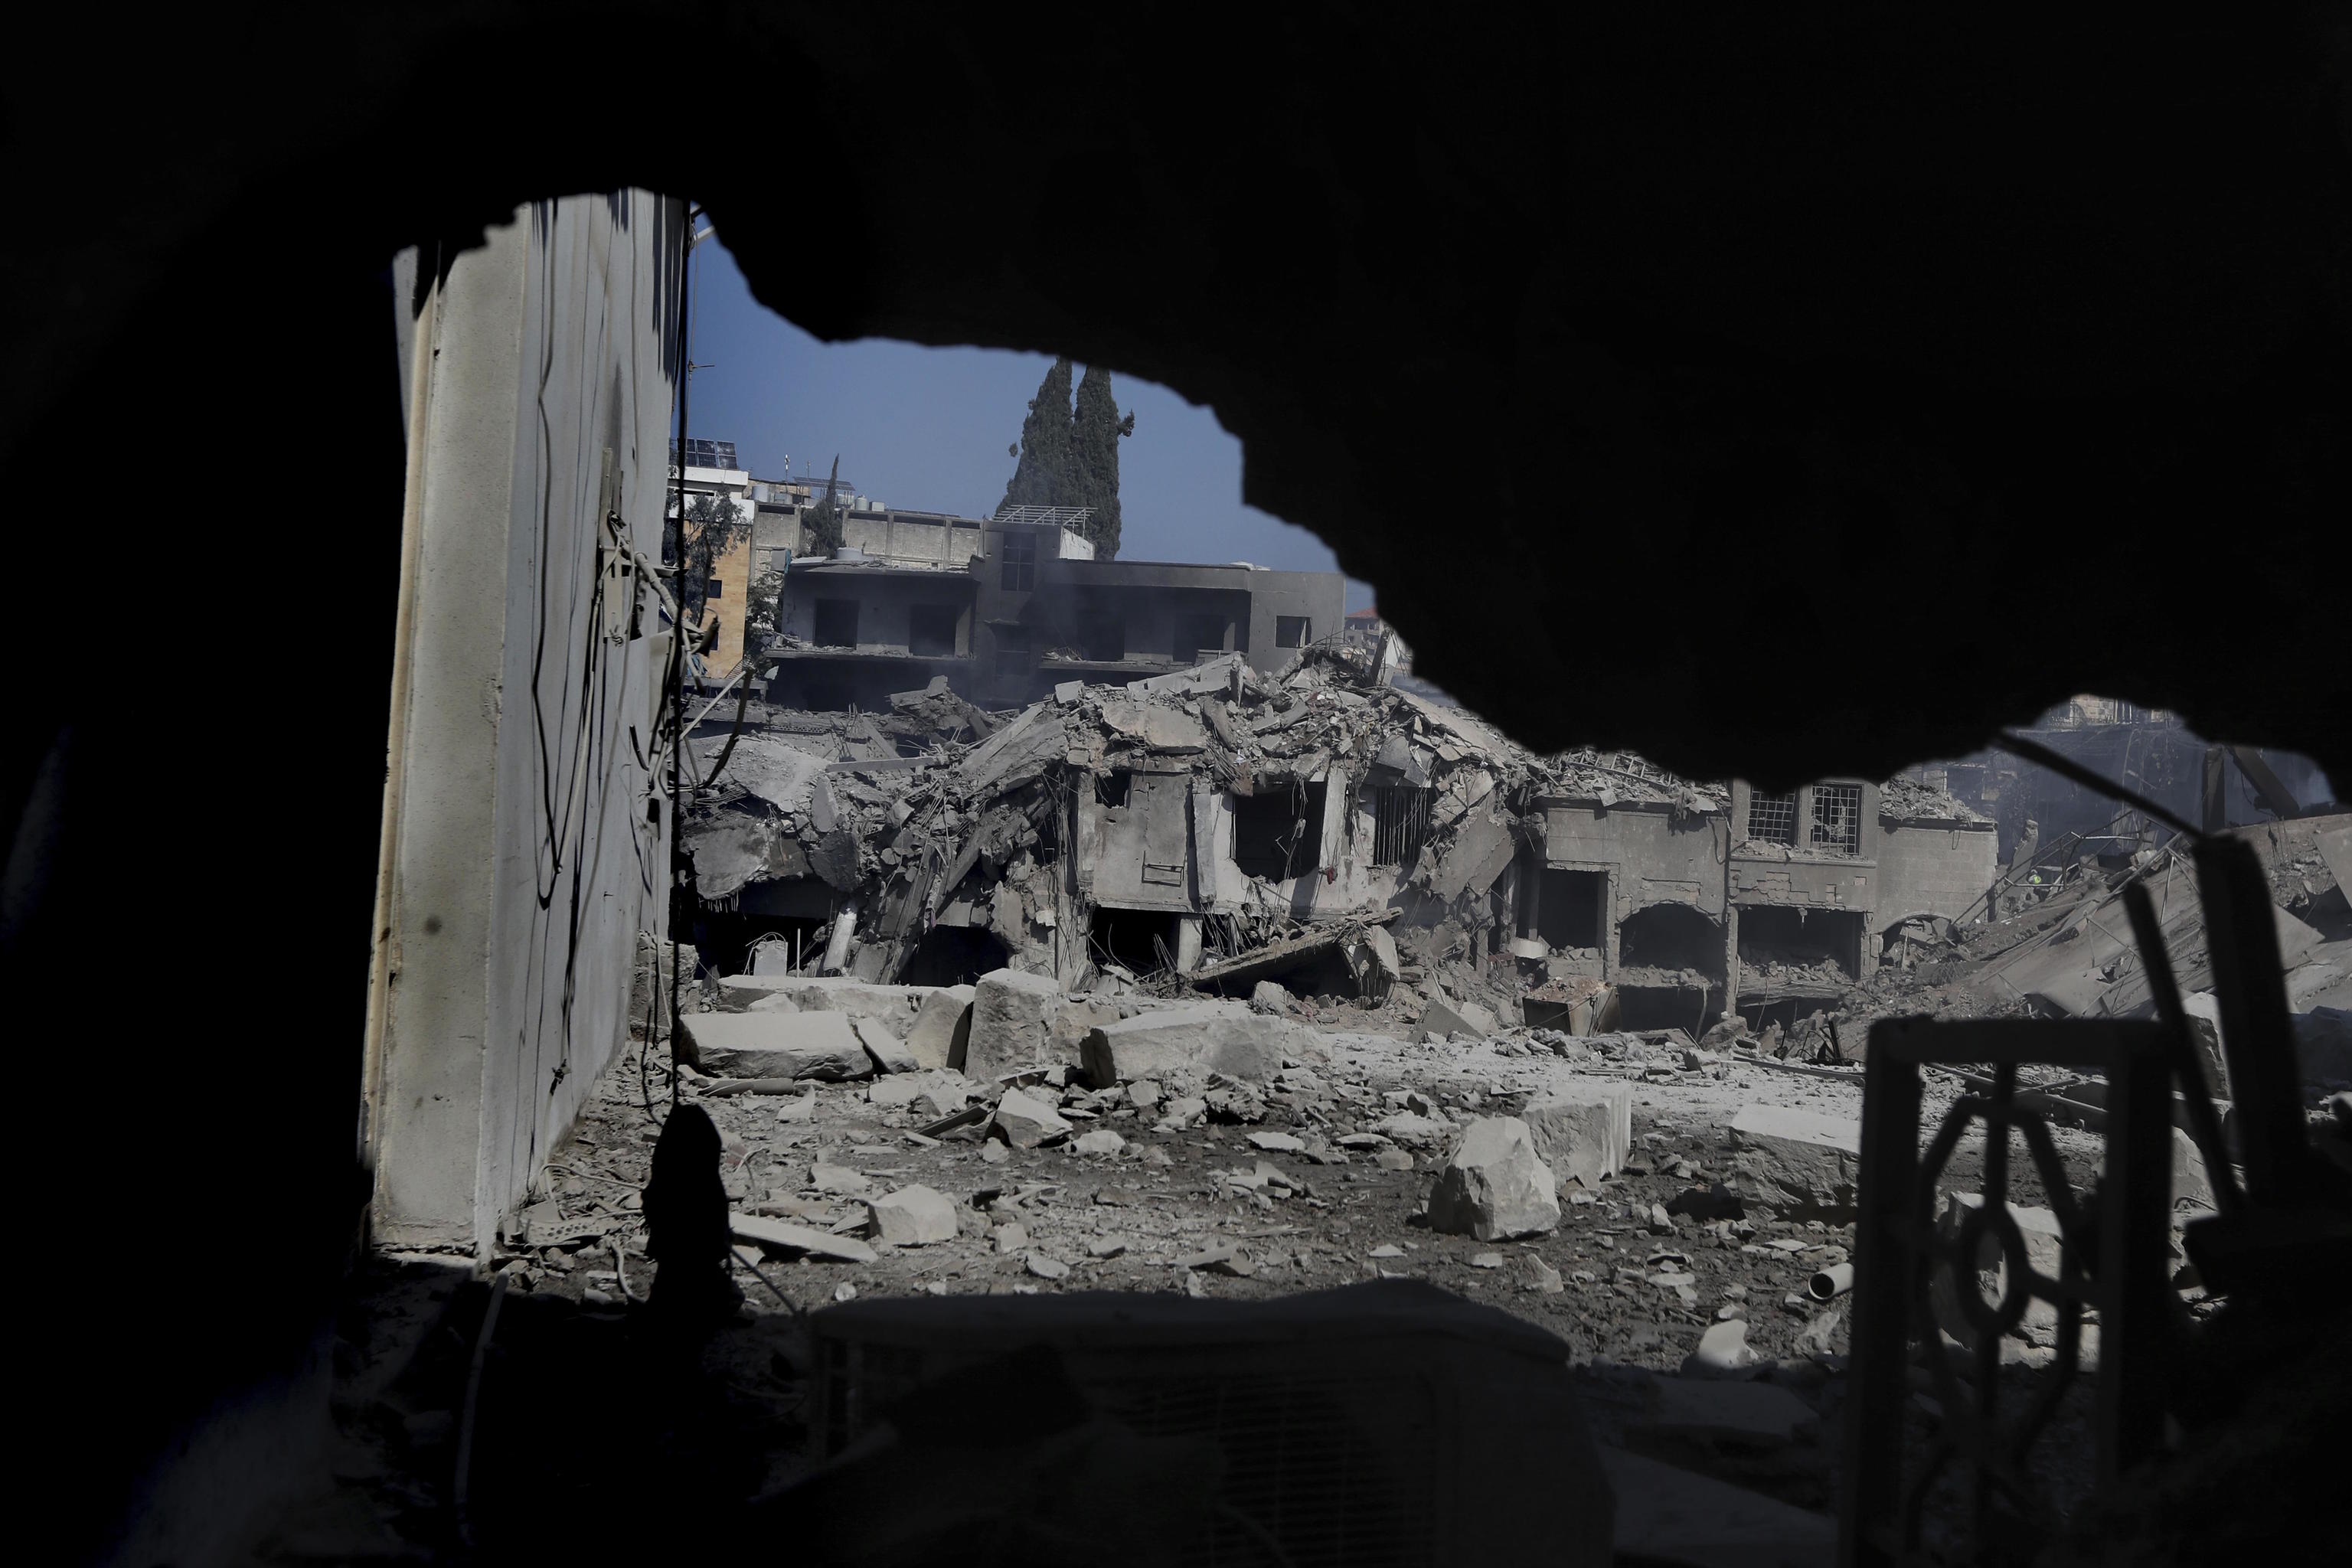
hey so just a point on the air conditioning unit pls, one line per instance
(1386, 1424)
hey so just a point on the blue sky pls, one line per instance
(928, 428)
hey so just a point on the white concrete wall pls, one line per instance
(523, 863)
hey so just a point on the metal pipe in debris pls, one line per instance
(1831, 1282)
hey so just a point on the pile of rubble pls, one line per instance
(939, 815)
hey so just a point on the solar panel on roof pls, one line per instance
(702, 454)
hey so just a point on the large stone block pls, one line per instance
(2044, 1250)
(774, 1044)
(1208, 1036)
(1013, 1018)
(1797, 1164)
(1493, 1187)
(889, 1052)
(894, 1007)
(1583, 1134)
(942, 1027)
(1026, 1121)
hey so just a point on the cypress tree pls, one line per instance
(1043, 474)
(1096, 430)
(823, 519)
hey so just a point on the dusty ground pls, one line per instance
(569, 1352)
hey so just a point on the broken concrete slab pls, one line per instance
(782, 1235)
(942, 1027)
(774, 1044)
(1797, 1164)
(1011, 1030)
(889, 1052)
(1156, 724)
(1026, 1121)
(1493, 1187)
(913, 1215)
(1441, 1018)
(1210, 675)
(1583, 1134)
(1482, 846)
(895, 1006)
(1225, 1037)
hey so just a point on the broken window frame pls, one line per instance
(1018, 569)
(1292, 631)
(1302, 855)
(1400, 823)
(1835, 818)
(1773, 827)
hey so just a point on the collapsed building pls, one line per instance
(1217, 826)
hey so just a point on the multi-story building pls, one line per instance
(1008, 607)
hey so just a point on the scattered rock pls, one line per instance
(913, 1215)
(1009, 1237)
(1393, 1160)
(1443, 1019)
(1542, 1276)
(839, 1180)
(1815, 1338)
(1584, 1135)
(1797, 1164)
(1045, 1267)
(1493, 1187)
(941, 1031)
(1487, 1260)
(1102, 1140)
(1026, 1121)
(1723, 1352)
(1276, 1142)
(1106, 1247)
(1266, 996)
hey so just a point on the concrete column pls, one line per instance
(437, 1003)
(1188, 944)
(837, 950)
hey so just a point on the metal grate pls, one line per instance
(1400, 823)
(1837, 817)
(1772, 818)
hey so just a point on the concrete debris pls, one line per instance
(1012, 1029)
(1102, 1140)
(1045, 1267)
(942, 1025)
(1493, 1187)
(915, 1216)
(1723, 1352)
(1797, 1164)
(2045, 1251)
(1224, 1038)
(1584, 1136)
(889, 1052)
(1441, 1020)
(1028, 1122)
(1266, 996)
(774, 1044)
(782, 1235)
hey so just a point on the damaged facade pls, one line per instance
(1218, 825)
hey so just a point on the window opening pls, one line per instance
(1279, 834)
(1772, 818)
(1568, 907)
(1837, 817)
(1291, 631)
(1020, 565)
(1400, 823)
(932, 630)
(1197, 634)
(836, 623)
